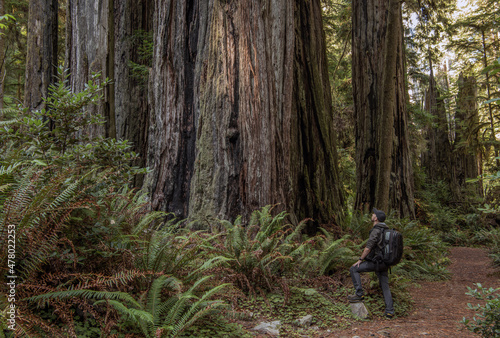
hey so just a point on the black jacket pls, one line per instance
(375, 240)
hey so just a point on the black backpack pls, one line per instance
(392, 248)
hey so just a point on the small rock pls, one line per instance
(384, 333)
(270, 328)
(305, 321)
(359, 310)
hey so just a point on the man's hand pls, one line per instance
(357, 263)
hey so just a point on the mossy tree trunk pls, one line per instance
(384, 174)
(41, 60)
(242, 110)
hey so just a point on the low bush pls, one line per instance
(486, 321)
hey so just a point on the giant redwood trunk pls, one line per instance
(241, 112)
(41, 61)
(384, 174)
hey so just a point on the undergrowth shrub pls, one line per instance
(486, 321)
(90, 255)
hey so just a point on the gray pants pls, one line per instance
(383, 278)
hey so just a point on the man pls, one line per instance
(366, 264)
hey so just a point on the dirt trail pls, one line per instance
(439, 306)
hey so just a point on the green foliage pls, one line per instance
(61, 134)
(486, 321)
(169, 249)
(4, 20)
(40, 208)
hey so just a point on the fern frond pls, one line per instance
(297, 231)
(154, 294)
(10, 122)
(44, 299)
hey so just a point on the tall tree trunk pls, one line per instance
(133, 23)
(384, 174)
(388, 104)
(90, 49)
(466, 147)
(41, 61)
(437, 158)
(103, 36)
(242, 112)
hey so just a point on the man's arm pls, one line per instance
(365, 253)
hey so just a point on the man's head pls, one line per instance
(379, 215)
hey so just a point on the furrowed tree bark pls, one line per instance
(386, 117)
(41, 60)
(90, 49)
(101, 37)
(179, 36)
(242, 108)
(384, 174)
(133, 20)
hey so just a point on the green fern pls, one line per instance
(173, 315)
(259, 255)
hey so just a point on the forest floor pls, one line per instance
(438, 306)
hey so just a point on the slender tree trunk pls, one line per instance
(384, 174)
(242, 110)
(41, 61)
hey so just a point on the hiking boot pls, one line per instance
(355, 298)
(389, 315)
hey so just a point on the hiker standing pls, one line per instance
(366, 263)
